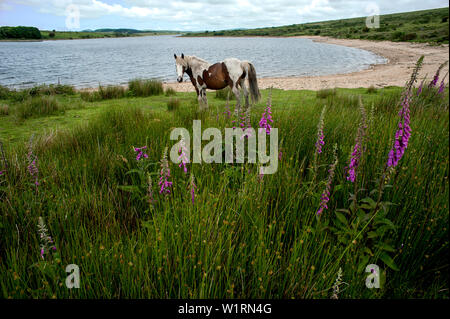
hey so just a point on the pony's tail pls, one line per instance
(253, 82)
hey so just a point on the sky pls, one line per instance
(192, 15)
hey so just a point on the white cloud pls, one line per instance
(224, 14)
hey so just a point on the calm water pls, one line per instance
(86, 63)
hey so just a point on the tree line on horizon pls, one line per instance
(20, 32)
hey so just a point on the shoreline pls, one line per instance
(401, 58)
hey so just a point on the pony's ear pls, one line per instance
(182, 55)
(175, 55)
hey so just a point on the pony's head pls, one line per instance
(181, 65)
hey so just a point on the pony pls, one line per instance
(230, 72)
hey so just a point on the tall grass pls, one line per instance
(140, 87)
(44, 89)
(224, 93)
(244, 236)
(37, 106)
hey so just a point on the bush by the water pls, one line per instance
(170, 92)
(37, 106)
(104, 93)
(325, 93)
(142, 88)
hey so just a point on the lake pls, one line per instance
(86, 63)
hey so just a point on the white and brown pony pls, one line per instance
(230, 72)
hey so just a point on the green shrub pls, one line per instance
(173, 104)
(20, 33)
(371, 89)
(5, 93)
(51, 90)
(37, 106)
(325, 93)
(90, 96)
(4, 109)
(111, 92)
(170, 92)
(410, 36)
(223, 94)
(140, 87)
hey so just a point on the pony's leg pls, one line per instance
(204, 98)
(244, 87)
(201, 97)
(237, 94)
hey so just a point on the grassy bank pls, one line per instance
(243, 235)
(72, 35)
(21, 33)
(418, 26)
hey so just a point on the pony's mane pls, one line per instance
(193, 57)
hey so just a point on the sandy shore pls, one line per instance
(401, 58)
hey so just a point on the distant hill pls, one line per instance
(417, 26)
(120, 30)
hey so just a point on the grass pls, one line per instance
(72, 35)
(417, 26)
(136, 87)
(173, 104)
(243, 237)
(140, 87)
(170, 92)
(37, 106)
(223, 94)
(325, 93)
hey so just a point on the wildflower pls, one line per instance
(183, 156)
(44, 238)
(32, 163)
(164, 183)
(1, 172)
(402, 134)
(320, 136)
(436, 75)
(358, 148)
(419, 90)
(192, 188)
(325, 197)
(140, 152)
(266, 117)
(261, 174)
(337, 284)
(404, 130)
(442, 85)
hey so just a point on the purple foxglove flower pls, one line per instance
(164, 182)
(183, 156)
(266, 117)
(320, 135)
(140, 153)
(441, 87)
(325, 197)
(358, 148)
(401, 135)
(32, 166)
